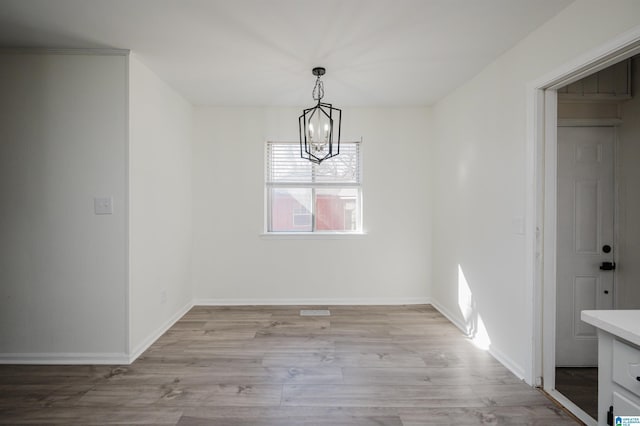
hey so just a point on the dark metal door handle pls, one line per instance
(608, 266)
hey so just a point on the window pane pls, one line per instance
(290, 210)
(337, 209)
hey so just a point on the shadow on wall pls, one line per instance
(473, 324)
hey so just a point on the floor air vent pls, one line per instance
(314, 313)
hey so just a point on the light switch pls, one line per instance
(103, 205)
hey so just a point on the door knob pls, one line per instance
(608, 266)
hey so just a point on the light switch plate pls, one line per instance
(103, 205)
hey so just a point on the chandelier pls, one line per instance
(319, 126)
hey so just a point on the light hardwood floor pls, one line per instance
(231, 366)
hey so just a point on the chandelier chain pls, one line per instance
(318, 90)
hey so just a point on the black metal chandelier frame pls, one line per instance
(315, 151)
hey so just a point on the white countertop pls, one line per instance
(624, 324)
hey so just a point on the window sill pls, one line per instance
(313, 235)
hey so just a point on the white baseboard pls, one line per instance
(500, 356)
(60, 358)
(454, 319)
(150, 339)
(93, 358)
(313, 302)
(513, 366)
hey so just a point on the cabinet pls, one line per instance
(618, 363)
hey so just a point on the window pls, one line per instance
(306, 197)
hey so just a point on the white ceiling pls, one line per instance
(260, 52)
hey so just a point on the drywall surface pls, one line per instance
(160, 205)
(63, 272)
(233, 263)
(479, 180)
(627, 285)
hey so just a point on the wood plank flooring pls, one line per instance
(231, 366)
(580, 385)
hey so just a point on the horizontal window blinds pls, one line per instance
(284, 166)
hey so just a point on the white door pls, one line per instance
(585, 238)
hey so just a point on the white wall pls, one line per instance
(628, 156)
(160, 205)
(63, 276)
(479, 178)
(233, 264)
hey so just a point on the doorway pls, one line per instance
(596, 117)
(545, 243)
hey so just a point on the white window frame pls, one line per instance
(358, 232)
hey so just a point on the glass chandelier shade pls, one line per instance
(319, 126)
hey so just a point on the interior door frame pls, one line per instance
(541, 183)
